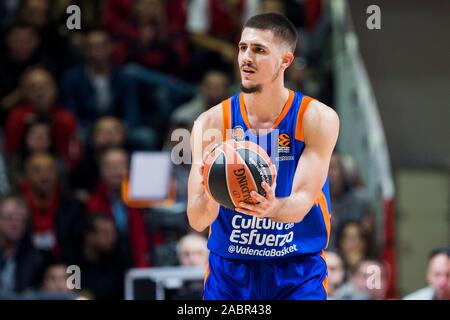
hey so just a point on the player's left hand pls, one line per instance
(266, 207)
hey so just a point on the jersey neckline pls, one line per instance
(284, 110)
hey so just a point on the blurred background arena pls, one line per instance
(75, 105)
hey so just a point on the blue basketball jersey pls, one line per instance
(239, 236)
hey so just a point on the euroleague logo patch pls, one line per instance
(284, 143)
(238, 133)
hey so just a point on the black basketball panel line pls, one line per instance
(260, 171)
(219, 190)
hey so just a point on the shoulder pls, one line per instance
(319, 113)
(207, 131)
(421, 294)
(320, 122)
(211, 118)
(315, 117)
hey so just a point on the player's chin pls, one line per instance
(250, 87)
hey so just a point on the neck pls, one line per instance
(264, 108)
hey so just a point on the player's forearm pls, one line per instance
(294, 208)
(202, 212)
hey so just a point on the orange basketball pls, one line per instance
(236, 168)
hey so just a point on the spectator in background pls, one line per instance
(368, 281)
(352, 244)
(53, 286)
(37, 138)
(97, 87)
(117, 12)
(213, 89)
(375, 278)
(38, 87)
(53, 44)
(107, 132)
(215, 27)
(348, 203)
(336, 272)
(107, 198)
(21, 51)
(99, 258)
(21, 265)
(192, 250)
(55, 215)
(438, 277)
(150, 38)
(55, 279)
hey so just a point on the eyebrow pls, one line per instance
(253, 44)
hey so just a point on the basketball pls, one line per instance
(234, 169)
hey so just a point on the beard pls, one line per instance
(257, 88)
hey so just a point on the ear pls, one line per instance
(286, 59)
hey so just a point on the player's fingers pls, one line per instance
(269, 191)
(256, 196)
(249, 212)
(251, 207)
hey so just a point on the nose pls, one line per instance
(246, 57)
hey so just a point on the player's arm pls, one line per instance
(321, 128)
(202, 210)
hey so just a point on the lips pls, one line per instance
(248, 71)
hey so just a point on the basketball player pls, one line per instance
(272, 249)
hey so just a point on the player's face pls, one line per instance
(260, 59)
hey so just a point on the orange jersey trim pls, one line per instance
(299, 131)
(207, 272)
(325, 281)
(226, 115)
(280, 118)
(322, 202)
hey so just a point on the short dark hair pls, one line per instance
(438, 251)
(281, 27)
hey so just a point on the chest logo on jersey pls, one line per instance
(284, 147)
(238, 133)
(284, 143)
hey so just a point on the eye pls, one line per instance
(242, 47)
(259, 50)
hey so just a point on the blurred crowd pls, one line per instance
(75, 104)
